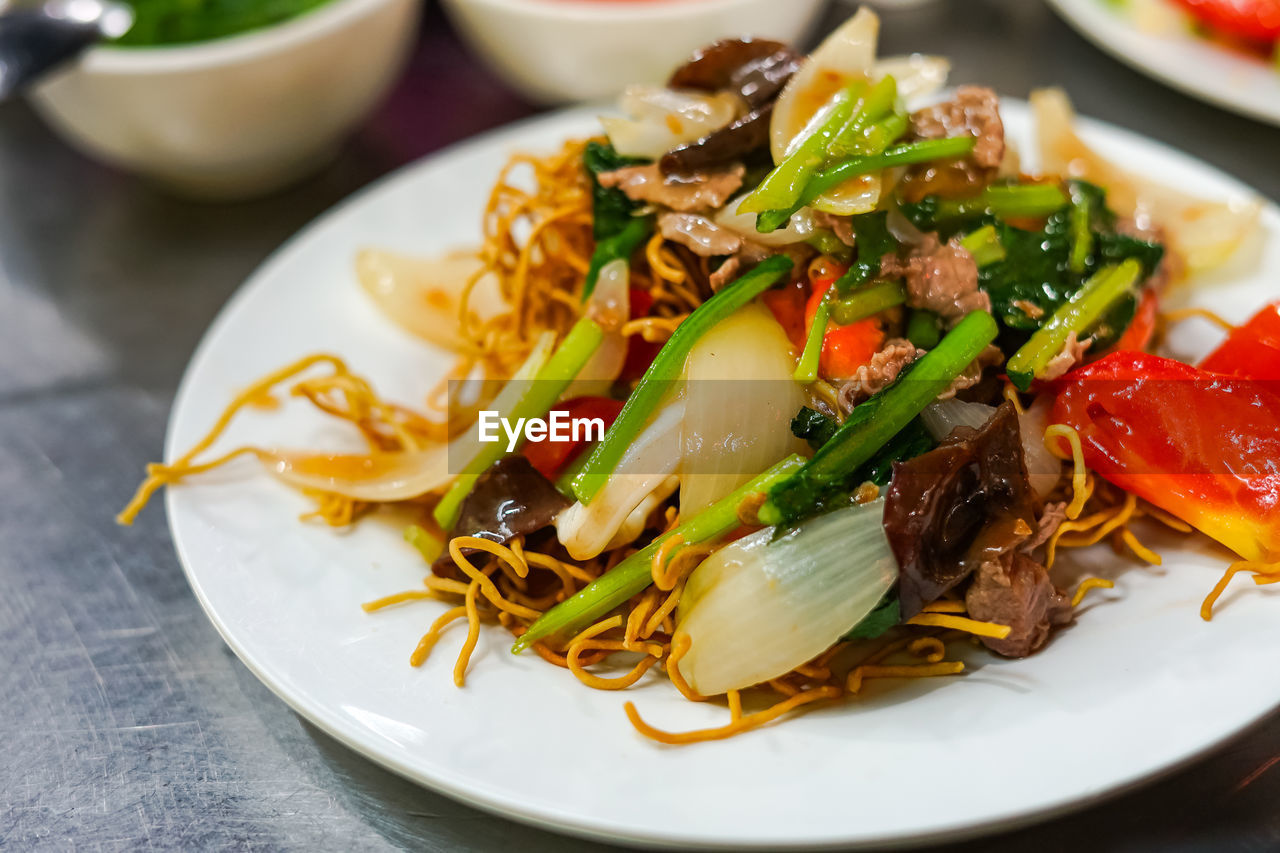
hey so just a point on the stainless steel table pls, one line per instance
(125, 721)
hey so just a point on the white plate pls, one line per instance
(1140, 685)
(1196, 66)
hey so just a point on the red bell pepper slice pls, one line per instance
(1251, 351)
(1254, 20)
(1202, 446)
(551, 457)
(1142, 329)
(844, 348)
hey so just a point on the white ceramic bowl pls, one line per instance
(559, 51)
(236, 116)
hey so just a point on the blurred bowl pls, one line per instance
(558, 51)
(238, 116)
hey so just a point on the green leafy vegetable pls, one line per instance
(813, 426)
(619, 246)
(611, 210)
(877, 623)
(1082, 311)
(872, 241)
(871, 425)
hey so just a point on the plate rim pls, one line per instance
(581, 825)
(1109, 39)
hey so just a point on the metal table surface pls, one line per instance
(126, 722)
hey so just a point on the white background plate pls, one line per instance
(1138, 685)
(1202, 69)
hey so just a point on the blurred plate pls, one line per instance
(1205, 70)
(1138, 686)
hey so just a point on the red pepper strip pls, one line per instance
(551, 457)
(1202, 446)
(640, 353)
(1138, 336)
(1255, 20)
(844, 348)
(787, 304)
(1251, 351)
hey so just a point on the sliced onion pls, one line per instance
(424, 295)
(942, 416)
(799, 228)
(378, 477)
(1043, 468)
(755, 609)
(1205, 233)
(585, 530)
(918, 76)
(740, 401)
(660, 119)
(610, 306)
(388, 477)
(848, 54)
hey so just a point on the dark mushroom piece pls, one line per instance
(963, 504)
(755, 69)
(510, 499)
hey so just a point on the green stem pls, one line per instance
(541, 394)
(428, 544)
(984, 245)
(873, 423)
(784, 185)
(666, 368)
(807, 368)
(620, 245)
(1018, 201)
(871, 108)
(633, 574)
(867, 301)
(1084, 309)
(1081, 234)
(922, 329)
(832, 177)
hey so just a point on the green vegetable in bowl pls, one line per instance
(169, 22)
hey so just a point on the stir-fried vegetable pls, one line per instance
(984, 246)
(873, 423)
(633, 574)
(783, 186)
(1085, 308)
(1252, 350)
(763, 605)
(1204, 233)
(807, 367)
(424, 295)
(535, 397)
(738, 403)
(867, 301)
(828, 179)
(873, 241)
(1202, 446)
(611, 210)
(666, 368)
(618, 247)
